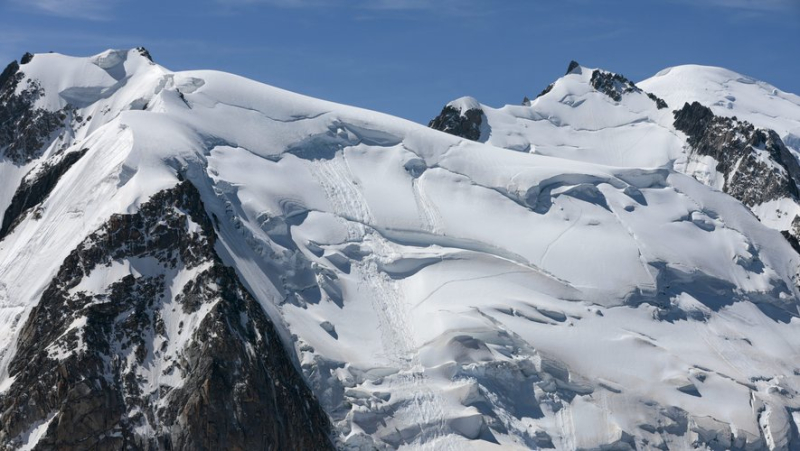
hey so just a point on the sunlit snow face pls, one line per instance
(437, 290)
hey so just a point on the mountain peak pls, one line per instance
(573, 65)
(729, 94)
(145, 53)
(462, 117)
(26, 58)
(196, 260)
(464, 104)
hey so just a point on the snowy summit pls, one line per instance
(194, 260)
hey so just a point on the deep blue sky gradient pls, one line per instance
(410, 57)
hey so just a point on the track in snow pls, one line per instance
(423, 404)
(429, 213)
(346, 199)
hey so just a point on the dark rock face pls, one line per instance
(694, 120)
(113, 370)
(465, 124)
(615, 86)
(572, 66)
(792, 239)
(793, 234)
(660, 103)
(756, 164)
(8, 78)
(24, 129)
(612, 85)
(26, 58)
(546, 90)
(32, 192)
(145, 53)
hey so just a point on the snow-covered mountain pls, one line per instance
(737, 134)
(193, 260)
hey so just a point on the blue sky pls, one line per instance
(410, 57)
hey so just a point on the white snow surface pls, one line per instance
(730, 94)
(33, 436)
(560, 280)
(574, 121)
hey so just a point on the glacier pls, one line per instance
(571, 275)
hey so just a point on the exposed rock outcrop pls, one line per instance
(546, 90)
(572, 66)
(464, 123)
(26, 58)
(612, 85)
(108, 366)
(145, 53)
(756, 165)
(24, 128)
(615, 86)
(660, 103)
(36, 189)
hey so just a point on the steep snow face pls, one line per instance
(436, 292)
(728, 93)
(137, 346)
(593, 115)
(573, 119)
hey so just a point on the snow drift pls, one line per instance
(568, 281)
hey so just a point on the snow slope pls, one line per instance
(728, 93)
(734, 95)
(573, 119)
(440, 293)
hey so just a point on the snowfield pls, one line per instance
(563, 283)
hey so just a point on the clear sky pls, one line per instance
(410, 57)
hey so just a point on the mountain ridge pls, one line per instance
(691, 159)
(384, 284)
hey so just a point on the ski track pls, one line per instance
(429, 212)
(397, 334)
(407, 404)
(425, 404)
(347, 201)
(640, 247)
(559, 236)
(566, 425)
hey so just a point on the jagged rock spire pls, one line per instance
(572, 66)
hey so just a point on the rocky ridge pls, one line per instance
(616, 85)
(109, 367)
(755, 164)
(353, 241)
(465, 123)
(35, 188)
(25, 129)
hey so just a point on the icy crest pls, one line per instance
(559, 284)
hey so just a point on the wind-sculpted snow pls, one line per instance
(35, 188)
(587, 115)
(598, 116)
(437, 293)
(729, 94)
(430, 277)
